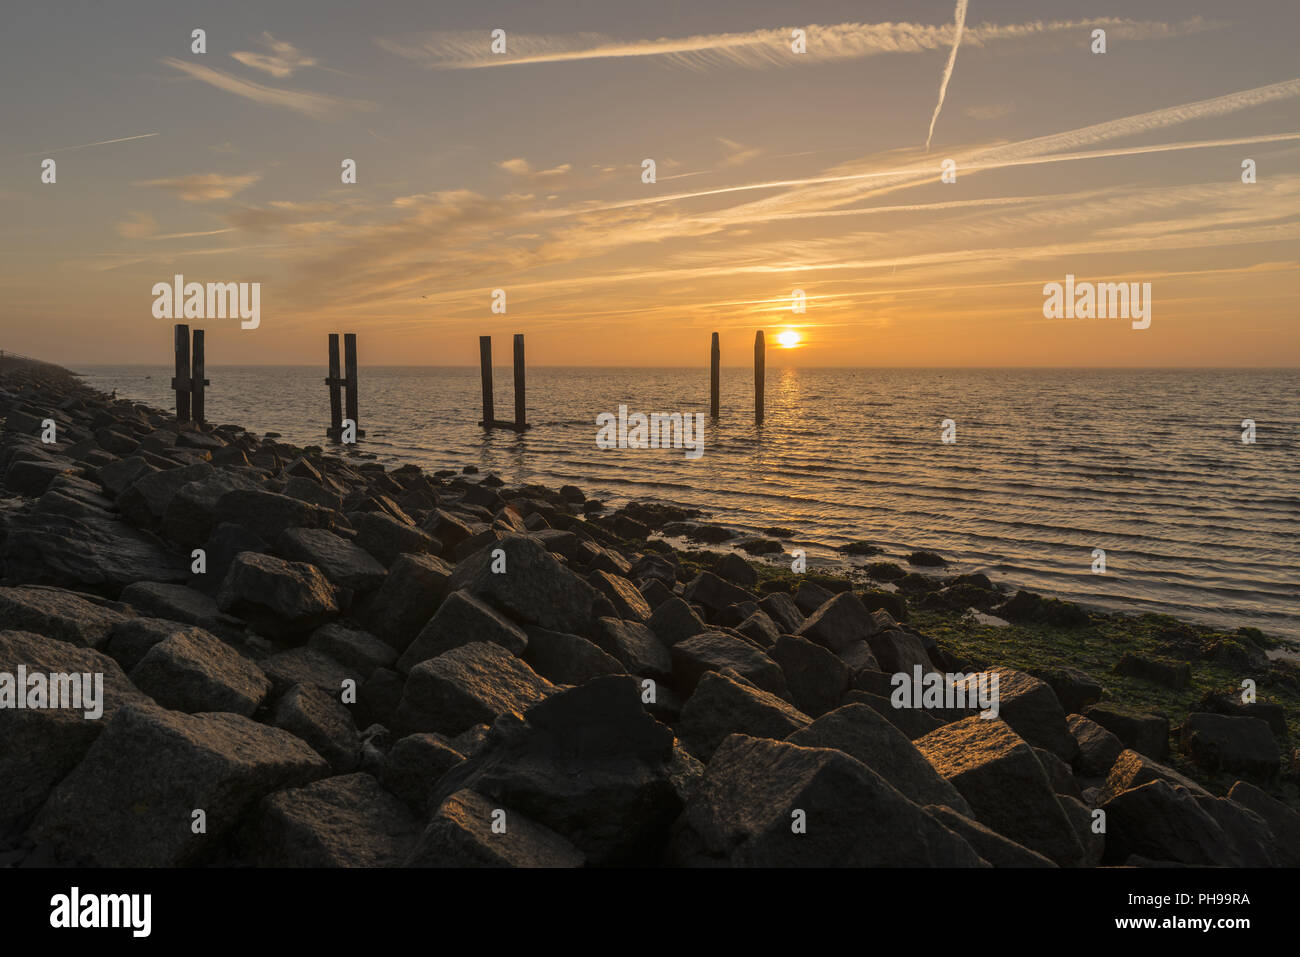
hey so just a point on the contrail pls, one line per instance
(83, 146)
(947, 72)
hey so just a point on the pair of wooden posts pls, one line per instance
(189, 380)
(338, 403)
(760, 375)
(520, 424)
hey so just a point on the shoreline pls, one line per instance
(1004, 542)
(320, 568)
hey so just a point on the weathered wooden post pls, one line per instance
(181, 381)
(520, 414)
(485, 364)
(350, 373)
(715, 357)
(760, 372)
(197, 380)
(334, 382)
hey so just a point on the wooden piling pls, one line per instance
(760, 373)
(520, 414)
(197, 380)
(181, 381)
(350, 372)
(334, 382)
(485, 365)
(715, 358)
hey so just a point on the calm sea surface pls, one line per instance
(1048, 464)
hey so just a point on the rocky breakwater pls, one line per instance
(312, 660)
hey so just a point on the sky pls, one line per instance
(775, 171)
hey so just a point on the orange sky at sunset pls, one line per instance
(776, 171)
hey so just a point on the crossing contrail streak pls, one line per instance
(83, 146)
(947, 71)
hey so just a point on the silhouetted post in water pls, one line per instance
(334, 382)
(197, 380)
(760, 370)
(181, 381)
(520, 415)
(350, 367)
(485, 364)
(490, 421)
(715, 357)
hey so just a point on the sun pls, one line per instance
(788, 339)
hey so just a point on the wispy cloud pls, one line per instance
(738, 153)
(960, 18)
(312, 104)
(139, 226)
(463, 50)
(282, 61)
(203, 187)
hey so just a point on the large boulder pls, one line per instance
(1170, 674)
(60, 614)
(191, 514)
(1163, 823)
(635, 646)
(461, 834)
(861, 733)
(1217, 742)
(145, 501)
(567, 659)
(416, 763)
(353, 648)
(534, 588)
(774, 804)
(781, 608)
(726, 704)
(629, 604)
(1030, 707)
(896, 650)
(386, 537)
(307, 712)
(987, 843)
(590, 764)
(997, 773)
(307, 666)
(131, 802)
(96, 554)
(1098, 748)
(415, 586)
(268, 514)
(39, 746)
(1283, 821)
(1147, 733)
(816, 678)
(1133, 769)
(674, 620)
(275, 596)
(839, 622)
(192, 670)
(460, 619)
(716, 651)
(468, 685)
(714, 593)
(342, 562)
(181, 603)
(347, 821)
